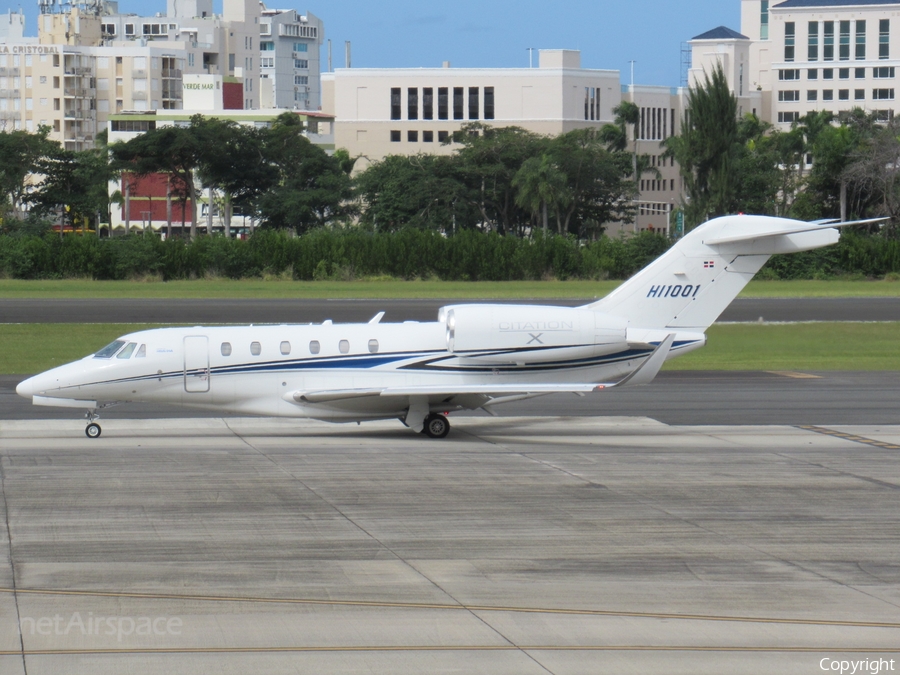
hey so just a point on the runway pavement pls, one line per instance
(675, 397)
(515, 546)
(306, 311)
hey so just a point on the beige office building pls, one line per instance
(381, 112)
(834, 55)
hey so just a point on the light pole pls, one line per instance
(530, 51)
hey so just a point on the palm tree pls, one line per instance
(539, 183)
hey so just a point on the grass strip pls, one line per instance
(31, 348)
(391, 288)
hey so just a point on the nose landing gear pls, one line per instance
(92, 430)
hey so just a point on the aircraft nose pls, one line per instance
(25, 388)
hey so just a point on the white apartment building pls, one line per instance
(12, 26)
(382, 112)
(289, 62)
(834, 55)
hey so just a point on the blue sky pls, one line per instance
(471, 33)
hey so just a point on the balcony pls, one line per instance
(75, 114)
(10, 93)
(75, 92)
(139, 95)
(139, 72)
(174, 73)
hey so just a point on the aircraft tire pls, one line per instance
(436, 426)
(92, 430)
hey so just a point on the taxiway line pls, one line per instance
(849, 437)
(469, 608)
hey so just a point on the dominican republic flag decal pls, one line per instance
(709, 264)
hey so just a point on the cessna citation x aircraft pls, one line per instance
(473, 356)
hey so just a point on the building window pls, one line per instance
(813, 41)
(883, 94)
(884, 39)
(344, 346)
(427, 103)
(859, 94)
(395, 136)
(300, 47)
(129, 29)
(828, 73)
(828, 41)
(412, 103)
(812, 95)
(859, 73)
(488, 103)
(267, 46)
(828, 95)
(843, 94)
(791, 74)
(373, 346)
(885, 72)
(301, 64)
(764, 20)
(428, 137)
(443, 136)
(301, 79)
(264, 62)
(812, 74)
(458, 103)
(860, 41)
(395, 104)
(789, 38)
(285, 348)
(844, 73)
(443, 103)
(789, 95)
(412, 136)
(844, 53)
(226, 349)
(255, 348)
(788, 117)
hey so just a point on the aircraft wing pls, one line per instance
(749, 235)
(644, 374)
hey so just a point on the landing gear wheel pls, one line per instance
(92, 430)
(436, 426)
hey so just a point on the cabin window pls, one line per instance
(255, 348)
(226, 349)
(127, 352)
(373, 346)
(314, 347)
(344, 346)
(109, 350)
(141, 352)
(285, 348)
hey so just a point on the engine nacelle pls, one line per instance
(530, 333)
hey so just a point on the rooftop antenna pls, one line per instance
(530, 51)
(330, 69)
(347, 52)
(632, 62)
(686, 62)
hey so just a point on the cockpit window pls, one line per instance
(141, 352)
(127, 352)
(109, 350)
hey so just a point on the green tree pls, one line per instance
(20, 152)
(707, 149)
(540, 186)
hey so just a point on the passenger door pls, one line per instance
(196, 364)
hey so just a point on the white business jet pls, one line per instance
(474, 355)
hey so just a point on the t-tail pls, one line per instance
(688, 288)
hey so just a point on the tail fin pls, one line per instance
(689, 286)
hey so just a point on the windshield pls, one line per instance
(126, 353)
(109, 350)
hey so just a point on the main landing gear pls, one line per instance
(92, 430)
(436, 426)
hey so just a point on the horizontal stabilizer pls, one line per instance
(750, 235)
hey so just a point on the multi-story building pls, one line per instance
(85, 66)
(835, 55)
(12, 26)
(289, 62)
(382, 112)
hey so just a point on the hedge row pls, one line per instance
(406, 254)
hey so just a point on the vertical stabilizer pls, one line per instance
(690, 286)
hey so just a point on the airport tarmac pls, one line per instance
(516, 545)
(131, 310)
